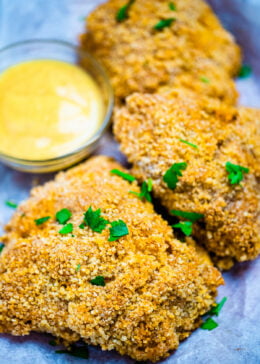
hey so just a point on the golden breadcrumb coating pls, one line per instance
(156, 287)
(195, 52)
(149, 129)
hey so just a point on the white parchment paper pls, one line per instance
(237, 339)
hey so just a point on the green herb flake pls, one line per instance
(52, 343)
(78, 267)
(63, 216)
(191, 216)
(122, 13)
(117, 230)
(82, 225)
(94, 220)
(164, 23)
(236, 172)
(209, 324)
(98, 281)
(245, 71)
(204, 79)
(171, 175)
(42, 220)
(11, 204)
(216, 309)
(126, 176)
(172, 6)
(76, 351)
(66, 229)
(150, 184)
(1, 247)
(188, 143)
(146, 188)
(185, 226)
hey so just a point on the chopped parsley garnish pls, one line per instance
(146, 188)
(98, 281)
(42, 220)
(78, 267)
(188, 143)
(204, 79)
(117, 230)
(185, 226)
(245, 71)
(1, 247)
(128, 177)
(171, 175)
(11, 204)
(76, 351)
(164, 23)
(216, 309)
(63, 216)
(172, 6)
(209, 324)
(236, 172)
(82, 225)
(94, 220)
(122, 13)
(192, 216)
(52, 343)
(66, 229)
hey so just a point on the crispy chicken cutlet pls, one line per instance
(202, 157)
(147, 46)
(119, 279)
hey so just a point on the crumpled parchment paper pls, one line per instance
(237, 339)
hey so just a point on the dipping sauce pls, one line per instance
(48, 108)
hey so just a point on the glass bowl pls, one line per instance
(66, 52)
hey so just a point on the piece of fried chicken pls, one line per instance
(154, 131)
(193, 52)
(156, 288)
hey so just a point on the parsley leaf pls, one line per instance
(76, 351)
(82, 225)
(52, 343)
(164, 23)
(42, 220)
(209, 324)
(192, 216)
(122, 13)
(117, 230)
(204, 79)
(78, 267)
(185, 226)
(245, 71)
(171, 175)
(1, 247)
(11, 204)
(235, 172)
(94, 221)
(128, 177)
(63, 216)
(188, 143)
(98, 281)
(146, 188)
(172, 6)
(216, 309)
(66, 229)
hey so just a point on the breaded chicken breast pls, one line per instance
(219, 165)
(129, 286)
(148, 46)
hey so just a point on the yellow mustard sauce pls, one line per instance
(48, 108)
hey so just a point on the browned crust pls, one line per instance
(138, 58)
(157, 288)
(149, 130)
